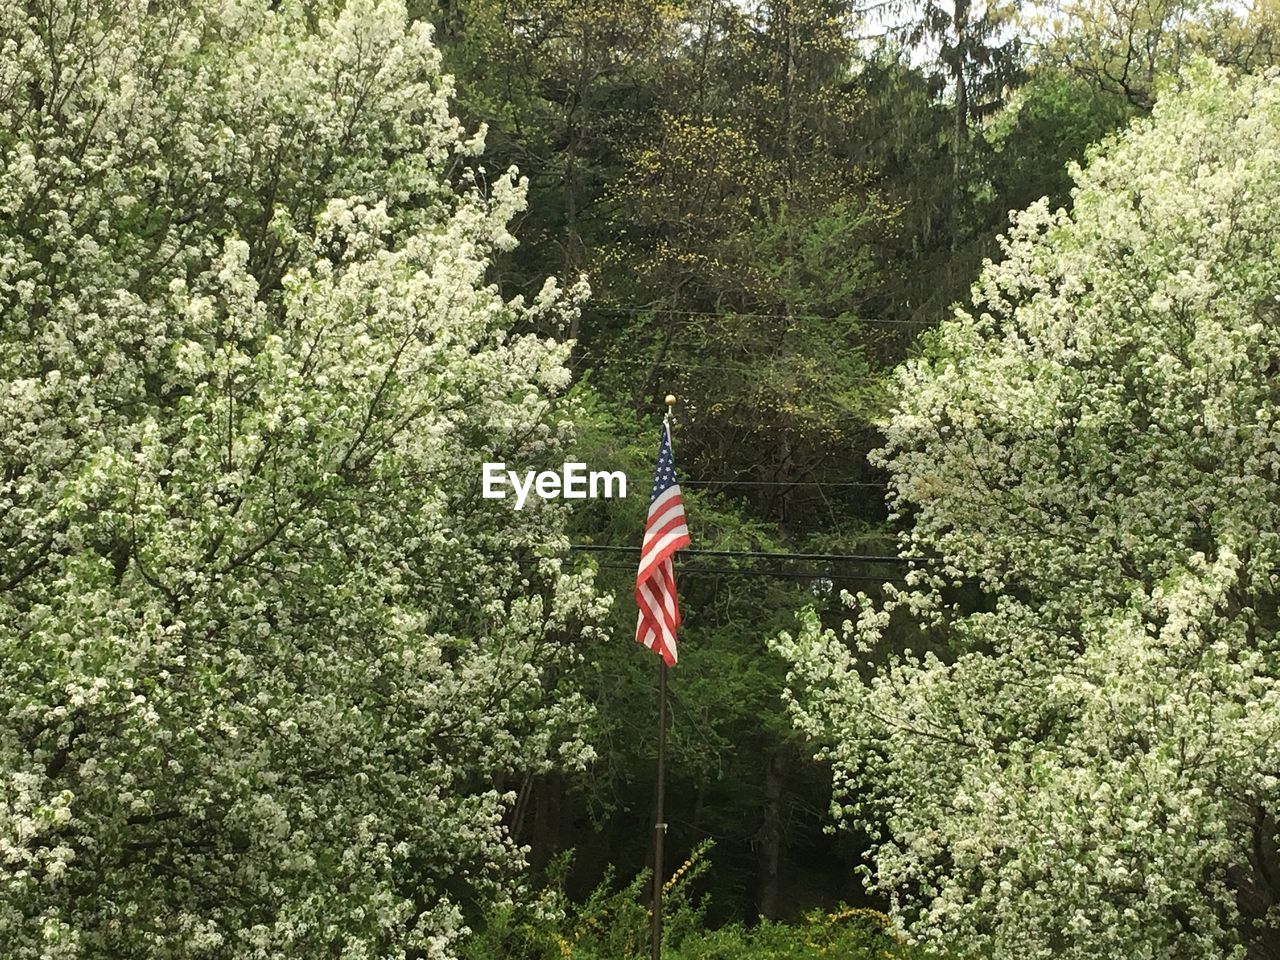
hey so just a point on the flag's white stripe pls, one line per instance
(671, 507)
(660, 534)
(644, 633)
(664, 498)
(651, 564)
(675, 511)
(667, 568)
(652, 553)
(654, 623)
(648, 636)
(659, 619)
(656, 617)
(666, 575)
(652, 640)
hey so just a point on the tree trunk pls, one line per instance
(546, 820)
(770, 840)
(1258, 888)
(960, 130)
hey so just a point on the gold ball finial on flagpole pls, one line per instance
(671, 399)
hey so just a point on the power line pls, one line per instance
(869, 484)
(754, 315)
(741, 366)
(772, 555)
(774, 574)
(698, 569)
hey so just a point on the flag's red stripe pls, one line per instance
(657, 640)
(671, 543)
(669, 655)
(654, 642)
(659, 612)
(671, 493)
(650, 541)
(645, 633)
(672, 508)
(663, 584)
(665, 532)
(650, 598)
(654, 529)
(670, 498)
(668, 574)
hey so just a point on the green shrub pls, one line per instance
(613, 924)
(848, 934)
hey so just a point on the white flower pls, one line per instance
(1086, 768)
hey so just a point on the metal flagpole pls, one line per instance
(660, 825)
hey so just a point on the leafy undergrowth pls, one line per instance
(613, 924)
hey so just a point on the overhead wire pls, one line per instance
(699, 568)
(773, 574)
(868, 484)
(742, 366)
(758, 315)
(773, 555)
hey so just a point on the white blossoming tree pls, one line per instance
(269, 666)
(1085, 763)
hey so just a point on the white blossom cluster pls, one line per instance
(1086, 764)
(270, 667)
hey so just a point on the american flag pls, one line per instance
(665, 532)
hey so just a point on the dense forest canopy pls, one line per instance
(278, 276)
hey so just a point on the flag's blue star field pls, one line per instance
(665, 474)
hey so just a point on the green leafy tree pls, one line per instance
(1125, 47)
(268, 664)
(1047, 124)
(1085, 764)
(751, 193)
(748, 256)
(558, 84)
